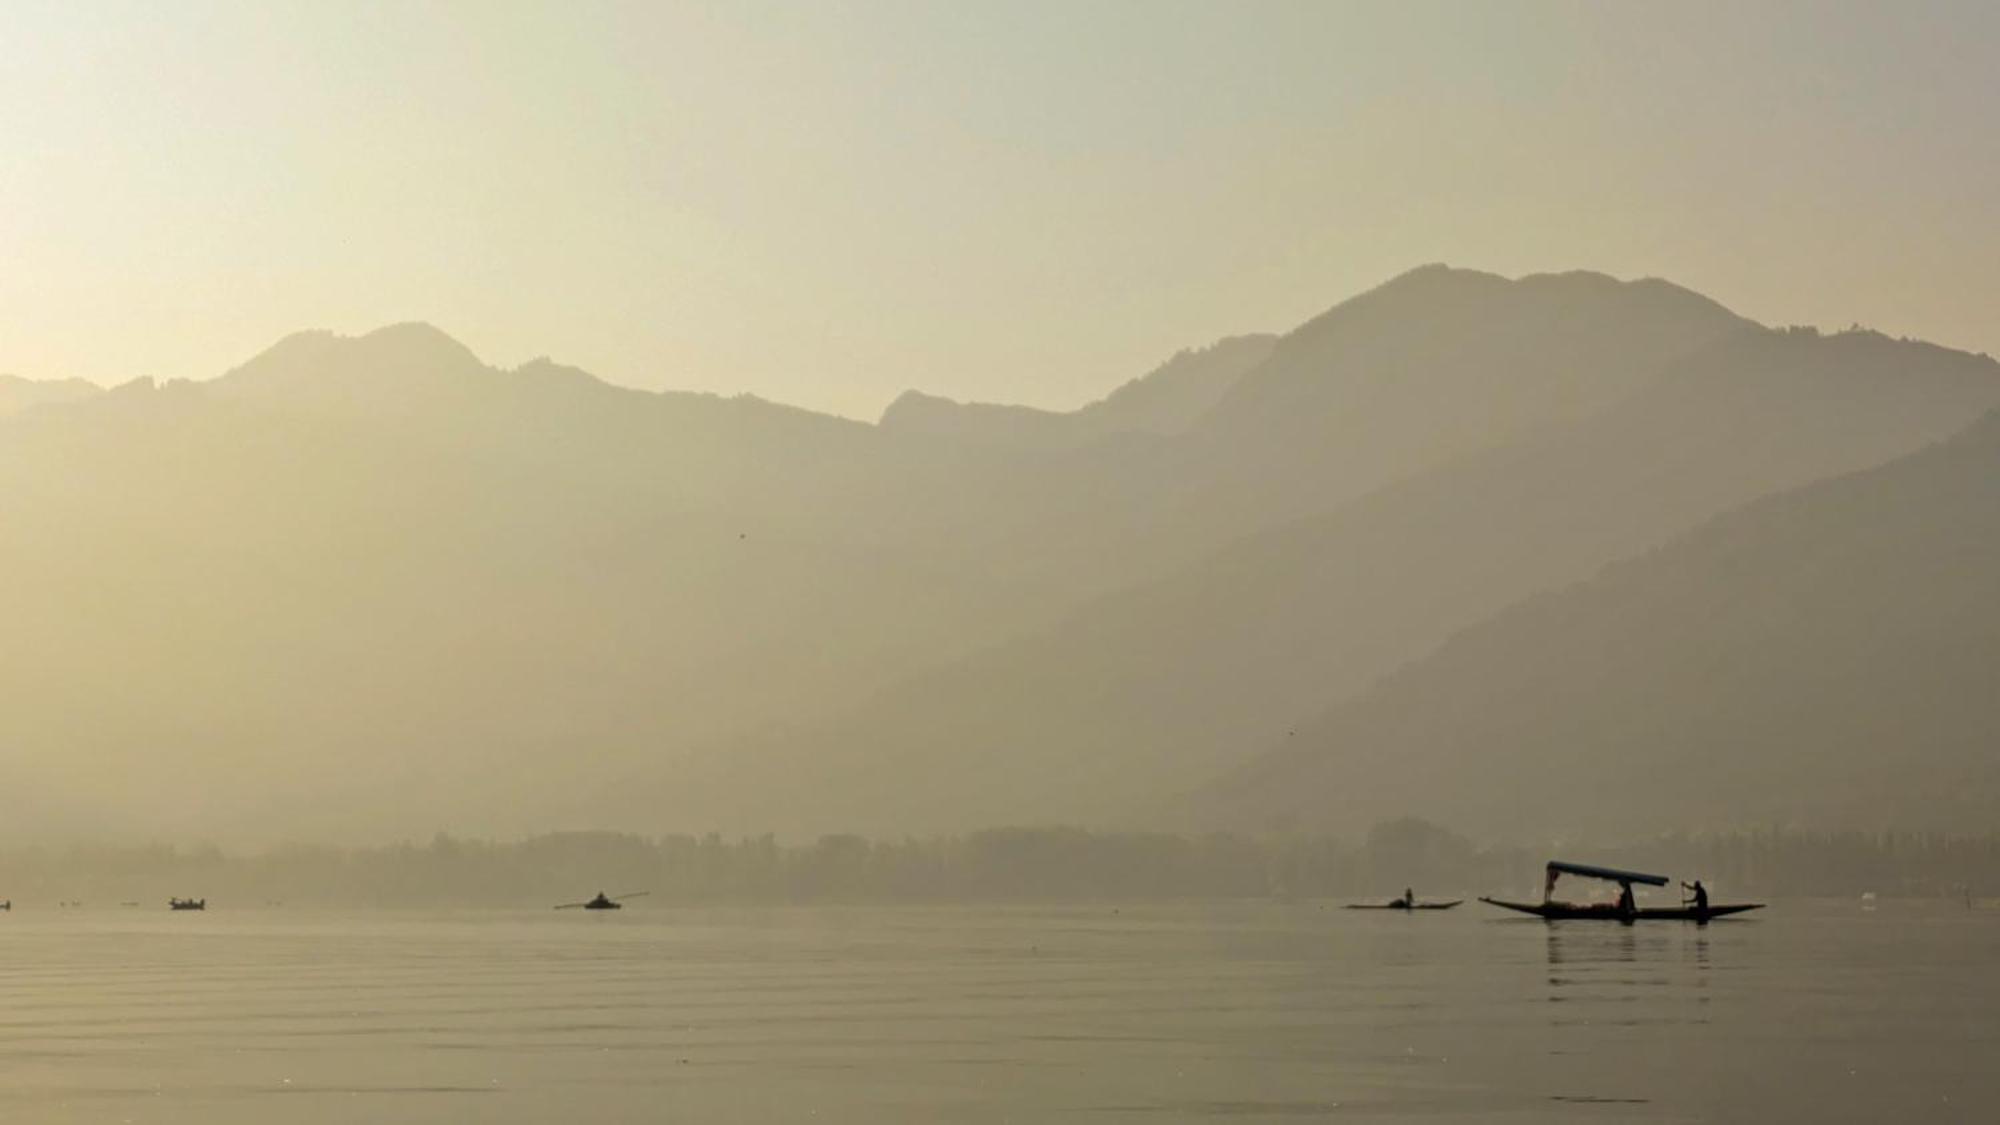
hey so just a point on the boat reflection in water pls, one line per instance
(1617, 976)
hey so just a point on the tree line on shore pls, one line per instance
(994, 865)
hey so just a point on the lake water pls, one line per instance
(1142, 1014)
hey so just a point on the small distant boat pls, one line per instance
(8, 905)
(1624, 910)
(187, 904)
(602, 902)
(1402, 904)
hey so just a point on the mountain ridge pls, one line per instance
(1165, 401)
(1177, 674)
(18, 393)
(382, 573)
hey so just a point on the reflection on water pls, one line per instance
(1167, 1013)
(1631, 976)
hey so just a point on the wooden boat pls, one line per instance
(1604, 911)
(1401, 905)
(1623, 911)
(187, 904)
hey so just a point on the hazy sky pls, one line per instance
(826, 203)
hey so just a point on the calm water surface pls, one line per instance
(1142, 1014)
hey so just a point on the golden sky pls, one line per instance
(827, 203)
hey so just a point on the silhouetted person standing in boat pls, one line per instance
(1627, 908)
(1409, 899)
(1700, 896)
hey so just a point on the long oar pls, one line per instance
(608, 898)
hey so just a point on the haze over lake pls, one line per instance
(999, 561)
(1817, 1011)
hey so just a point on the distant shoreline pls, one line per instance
(994, 865)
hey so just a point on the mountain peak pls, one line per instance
(1438, 280)
(1432, 273)
(915, 412)
(407, 344)
(395, 363)
(911, 405)
(417, 337)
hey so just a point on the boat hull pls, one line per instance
(1400, 906)
(1605, 912)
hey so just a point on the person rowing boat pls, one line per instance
(1700, 896)
(1408, 902)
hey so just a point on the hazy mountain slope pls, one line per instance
(1438, 364)
(693, 449)
(1167, 400)
(1163, 684)
(1433, 366)
(376, 569)
(1825, 656)
(18, 394)
(376, 573)
(978, 423)
(1171, 398)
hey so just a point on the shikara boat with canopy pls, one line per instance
(1622, 911)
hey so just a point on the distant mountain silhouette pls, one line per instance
(1432, 367)
(1438, 364)
(378, 570)
(371, 585)
(18, 394)
(1167, 682)
(1823, 656)
(1173, 397)
(373, 370)
(372, 581)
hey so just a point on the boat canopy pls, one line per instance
(1557, 866)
